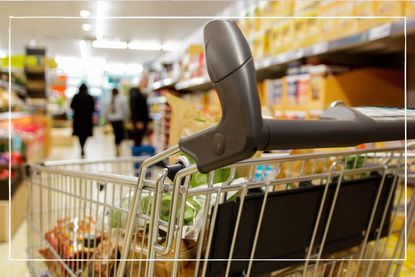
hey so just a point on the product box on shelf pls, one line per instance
(192, 62)
(328, 8)
(281, 37)
(260, 45)
(306, 29)
(409, 8)
(313, 91)
(296, 91)
(381, 87)
(345, 24)
(273, 90)
(389, 9)
(299, 33)
(301, 6)
(363, 9)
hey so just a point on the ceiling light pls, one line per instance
(84, 13)
(82, 48)
(2, 54)
(109, 44)
(101, 6)
(149, 46)
(86, 27)
(134, 68)
(169, 46)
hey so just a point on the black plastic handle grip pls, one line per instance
(242, 130)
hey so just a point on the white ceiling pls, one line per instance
(61, 36)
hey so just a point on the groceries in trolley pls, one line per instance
(293, 186)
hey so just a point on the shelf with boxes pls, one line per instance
(378, 37)
(160, 115)
(306, 93)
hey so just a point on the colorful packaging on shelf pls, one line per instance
(389, 9)
(281, 36)
(328, 8)
(347, 25)
(307, 29)
(364, 8)
(409, 7)
(292, 88)
(303, 90)
(274, 90)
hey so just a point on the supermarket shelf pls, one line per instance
(156, 100)
(13, 115)
(195, 84)
(354, 41)
(164, 84)
(280, 61)
(17, 88)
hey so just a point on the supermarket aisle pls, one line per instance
(14, 268)
(99, 146)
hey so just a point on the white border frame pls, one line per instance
(212, 18)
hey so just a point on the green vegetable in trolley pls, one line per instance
(198, 179)
(192, 208)
(351, 162)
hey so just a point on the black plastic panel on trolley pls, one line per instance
(288, 223)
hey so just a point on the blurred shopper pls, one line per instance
(139, 111)
(116, 112)
(83, 107)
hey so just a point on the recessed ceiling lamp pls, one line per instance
(149, 46)
(86, 27)
(84, 13)
(82, 48)
(110, 44)
(169, 46)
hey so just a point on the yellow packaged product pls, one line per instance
(259, 43)
(328, 8)
(313, 33)
(299, 32)
(257, 20)
(389, 8)
(282, 37)
(364, 8)
(306, 30)
(349, 25)
(261, 11)
(409, 7)
(248, 24)
(270, 9)
(301, 6)
(286, 8)
(275, 39)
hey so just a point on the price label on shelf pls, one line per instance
(379, 32)
(319, 48)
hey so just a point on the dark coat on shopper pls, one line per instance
(83, 106)
(138, 106)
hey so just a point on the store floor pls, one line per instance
(99, 146)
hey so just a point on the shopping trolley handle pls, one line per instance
(242, 130)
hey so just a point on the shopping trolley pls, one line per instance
(216, 211)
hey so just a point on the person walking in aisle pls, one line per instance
(116, 111)
(139, 110)
(83, 106)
